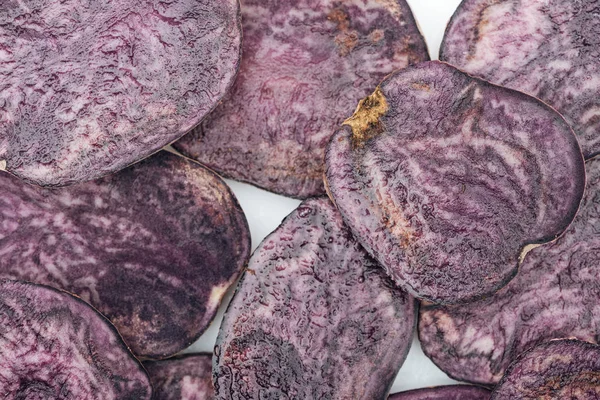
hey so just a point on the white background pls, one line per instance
(265, 211)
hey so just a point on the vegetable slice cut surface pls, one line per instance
(445, 179)
(452, 392)
(90, 87)
(559, 369)
(305, 66)
(55, 346)
(313, 317)
(548, 49)
(188, 377)
(153, 247)
(551, 297)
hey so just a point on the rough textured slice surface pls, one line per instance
(548, 49)
(306, 64)
(88, 87)
(456, 392)
(153, 247)
(314, 317)
(188, 377)
(55, 346)
(553, 296)
(559, 369)
(445, 179)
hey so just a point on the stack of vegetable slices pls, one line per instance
(459, 198)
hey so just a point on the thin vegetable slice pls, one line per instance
(446, 179)
(55, 346)
(313, 317)
(153, 247)
(306, 64)
(548, 49)
(559, 369)
(551, 297)
(188, 377)
(454, 392)
(89, 87)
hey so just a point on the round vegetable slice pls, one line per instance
(559, 369)
(153, 247)
(445, 179)
(90, 87)
(55, 346)
(188, 377)
(452, 392)
(551, 297)
(306, 64)
(548, 49)
(313, 317)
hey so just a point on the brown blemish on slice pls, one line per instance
(393, 7)
(376, 35)
(394, 220)
(347, 39)
(556, 383)
(365, 121)
(340, 18)
(421, 86)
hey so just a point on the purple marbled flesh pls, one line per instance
(306, 64)
(188, 377)
(445, 179)
(559, 369)
(153, 247)
(455, 392)
(553, 296)
(55, 346)
(314, 317)
(88, 87)
(548, 49)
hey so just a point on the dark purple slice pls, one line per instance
(453, 392)
(559, 369)
(188, 377)
(553, 296)
(153, 247)
(445, 179)
(314, 317)
(305, 66)
(548, 49)
(55, 346)
(89, 87)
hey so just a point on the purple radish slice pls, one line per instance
(445, 179)
(551, 297)
(548, 49)
(153, 247)
(55, 346)
(451, 392)
(559, 369)
(305, 66)
(187, 377)
(90, 87)
(313, 317)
